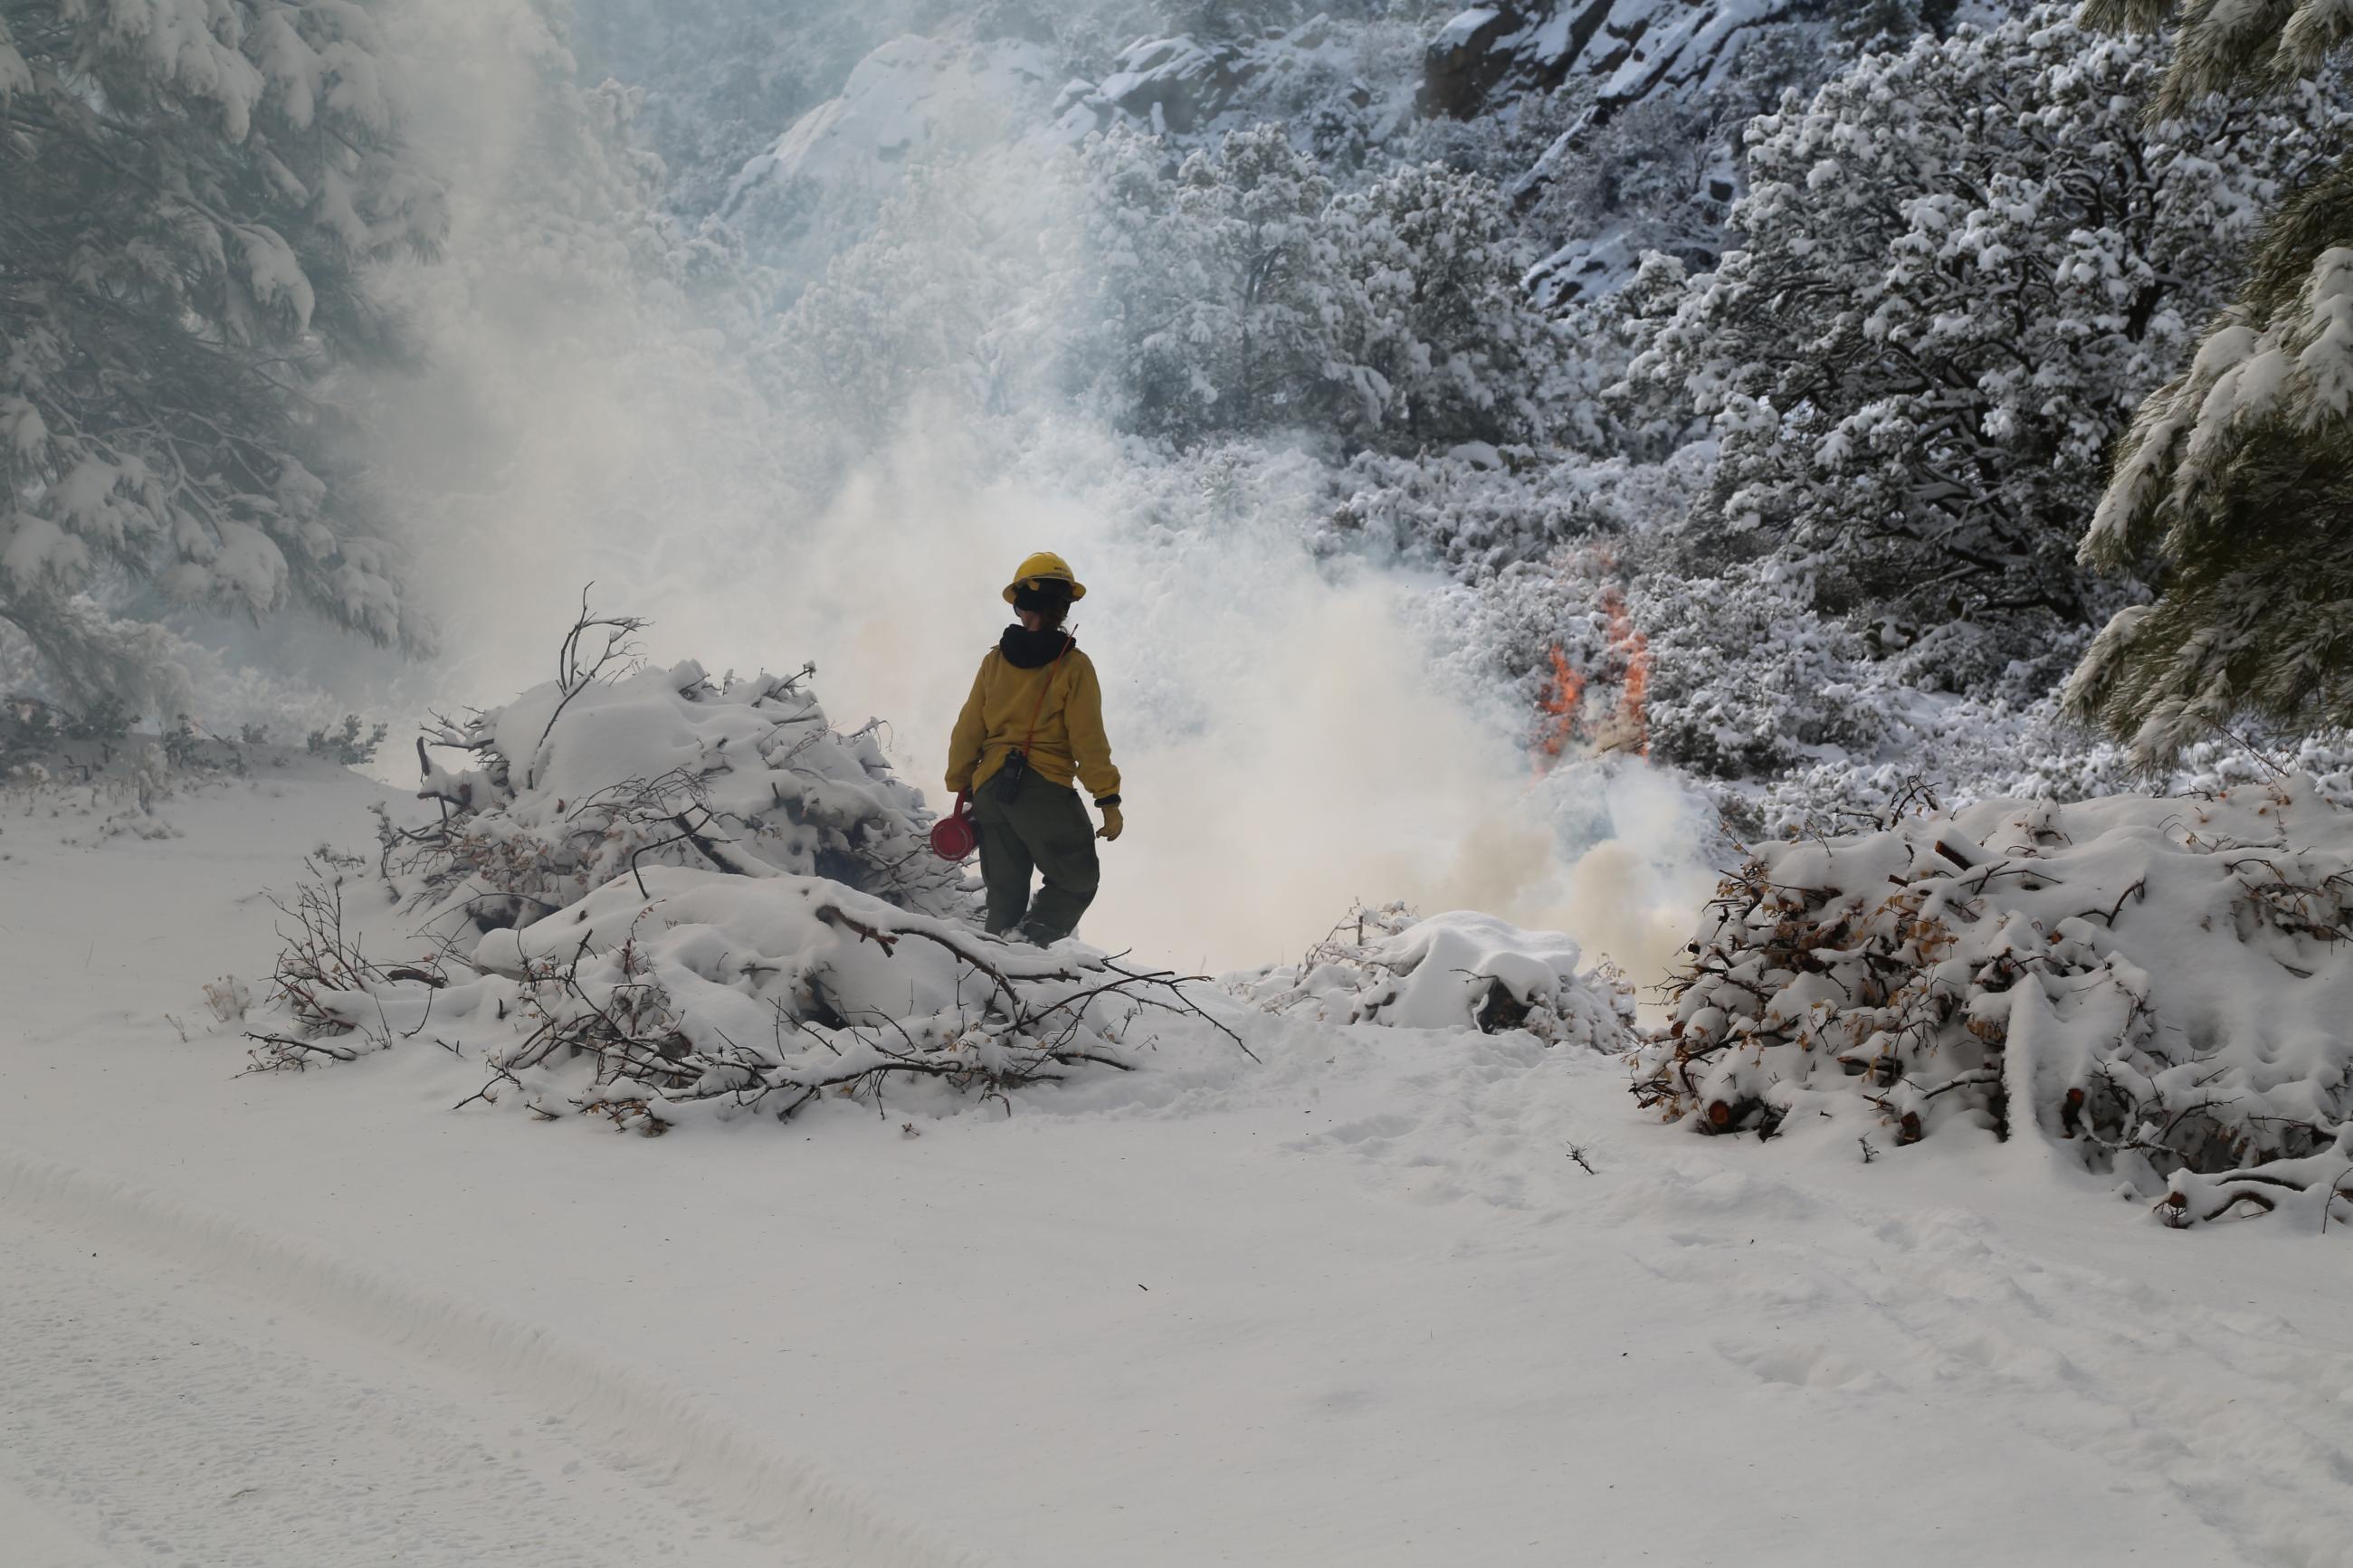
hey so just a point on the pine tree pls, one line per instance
(190, 193)
(2237, 476)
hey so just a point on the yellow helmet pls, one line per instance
(1046, 567)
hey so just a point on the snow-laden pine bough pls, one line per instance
(1454, 970)
(2158, 985)
(652, 893)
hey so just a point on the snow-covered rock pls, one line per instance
(1620, 55)
(1628, 48)
(2157, 984)
(1189, 89)
(1454, 970)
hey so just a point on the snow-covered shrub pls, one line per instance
(2323, 759)
(352, 743)
(684, 988)
(1747, 680)
(1958, 751)
(1475, 508)
(1456, 971)
(2158, 984)
(1522, 627)
(601, 774)
(1434, 341)
(34, 731)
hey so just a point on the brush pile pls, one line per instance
(612, 768)
(734, 995)
(1456, 971)
(2157, 985)
(652, 893)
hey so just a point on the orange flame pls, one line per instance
(1631, 729)
(1560, 708)
(1627, 726)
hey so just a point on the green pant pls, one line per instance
(1036, 825)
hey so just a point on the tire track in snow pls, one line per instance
(151, 1419)
(652, 1430)
(39, 1539)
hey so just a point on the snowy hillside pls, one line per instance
(1353, 91)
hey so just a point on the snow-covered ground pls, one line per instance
(1359, 1305)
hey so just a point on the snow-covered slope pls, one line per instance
(1621, 54)
(942, 96)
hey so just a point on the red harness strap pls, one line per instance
(1043, 687)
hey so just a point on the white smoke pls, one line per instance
(1288, 749)
(1286, 745)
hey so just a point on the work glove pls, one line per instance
(1112, 826)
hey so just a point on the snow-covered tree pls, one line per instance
(1746, 679)
(191, 192)
(1436, 341)
(1240, 293)
(2238, 474)
(1961, 266)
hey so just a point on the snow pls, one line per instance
(1356, 1305)
(271, 1429)
(1460, 969)
(1462, 28)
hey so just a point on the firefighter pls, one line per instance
(1033, 725)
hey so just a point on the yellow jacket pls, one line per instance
(996, 717)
